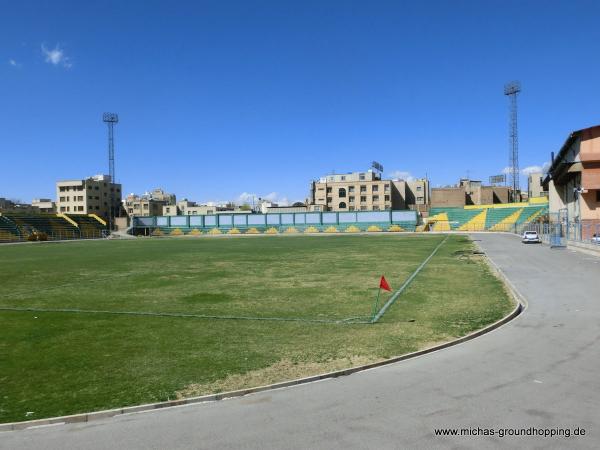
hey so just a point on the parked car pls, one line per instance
(595, 239)
(531, 237)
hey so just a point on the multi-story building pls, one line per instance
(45, 205)
(358, 191)
(94, 195)
(469, 192)
(574, 180)
(366, 191)
(535, 186)
(149, 204)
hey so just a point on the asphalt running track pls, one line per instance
(541, 370)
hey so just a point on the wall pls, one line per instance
(448, 197)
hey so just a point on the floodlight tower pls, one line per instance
(511, 90)
(110, 119)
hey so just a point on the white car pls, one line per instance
(595, 239)
(531, 237)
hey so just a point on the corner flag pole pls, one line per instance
(383, 284)
(376, 304)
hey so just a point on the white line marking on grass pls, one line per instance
(394, 297)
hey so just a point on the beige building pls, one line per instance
(94, 195)
(187, 208)
(149, 204)
(574, 180)
(366, 191)
(45, 205)
(534, 185)
(469, 192)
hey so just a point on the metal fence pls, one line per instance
(274, 220)
(558, 230)
(65, 235)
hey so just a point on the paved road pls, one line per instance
(541, 370)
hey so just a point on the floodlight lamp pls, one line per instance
(512, 88)
(110, 117)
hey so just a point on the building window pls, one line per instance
(329, 190)
(168, 210)
(419, 199)
(342, 205)
(321, 200)
(341, 192)
(343, 178)
(317, 208)
(130, 210)
(328, 199)
(62, 199)
(376, 198)
(351, 190)
(598, 196)
(363, 188)
(363, 198)
(419, 188)
(351, 199)
(90, 197)
(62, 209)
(80, 198)
(375, 188)
(375, 208)
(386, 188)
(363, 208)
(80, 208)
(96, 187)
(351, 208)
(386, 198)
(62, 189)
(361, 176)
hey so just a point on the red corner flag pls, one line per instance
(383, 284)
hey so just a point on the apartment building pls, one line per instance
(357, 191)
(535, 185)
(150, 203)
(470, 192)
(366, 191)
(45, 205)
(93, 195)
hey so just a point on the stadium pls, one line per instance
(202, 305)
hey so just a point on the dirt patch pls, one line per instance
(280, 371)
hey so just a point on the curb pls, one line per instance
(88, 417)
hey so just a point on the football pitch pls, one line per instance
(96, 325)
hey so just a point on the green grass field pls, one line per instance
(56, 363)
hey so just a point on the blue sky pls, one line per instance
(218, 98)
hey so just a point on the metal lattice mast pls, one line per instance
(110, 119)
(511, 90)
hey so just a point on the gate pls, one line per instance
(559, 223)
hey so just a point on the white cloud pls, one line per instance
(56, 56)
(401, 175)
(14, 63)
(531, 169)
(274, 197)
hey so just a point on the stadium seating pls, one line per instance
(490, 218)
(88, 226)
(17, 226)
(8, 230)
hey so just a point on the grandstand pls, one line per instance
(16, 227)
(504, 217)
(275, 223)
